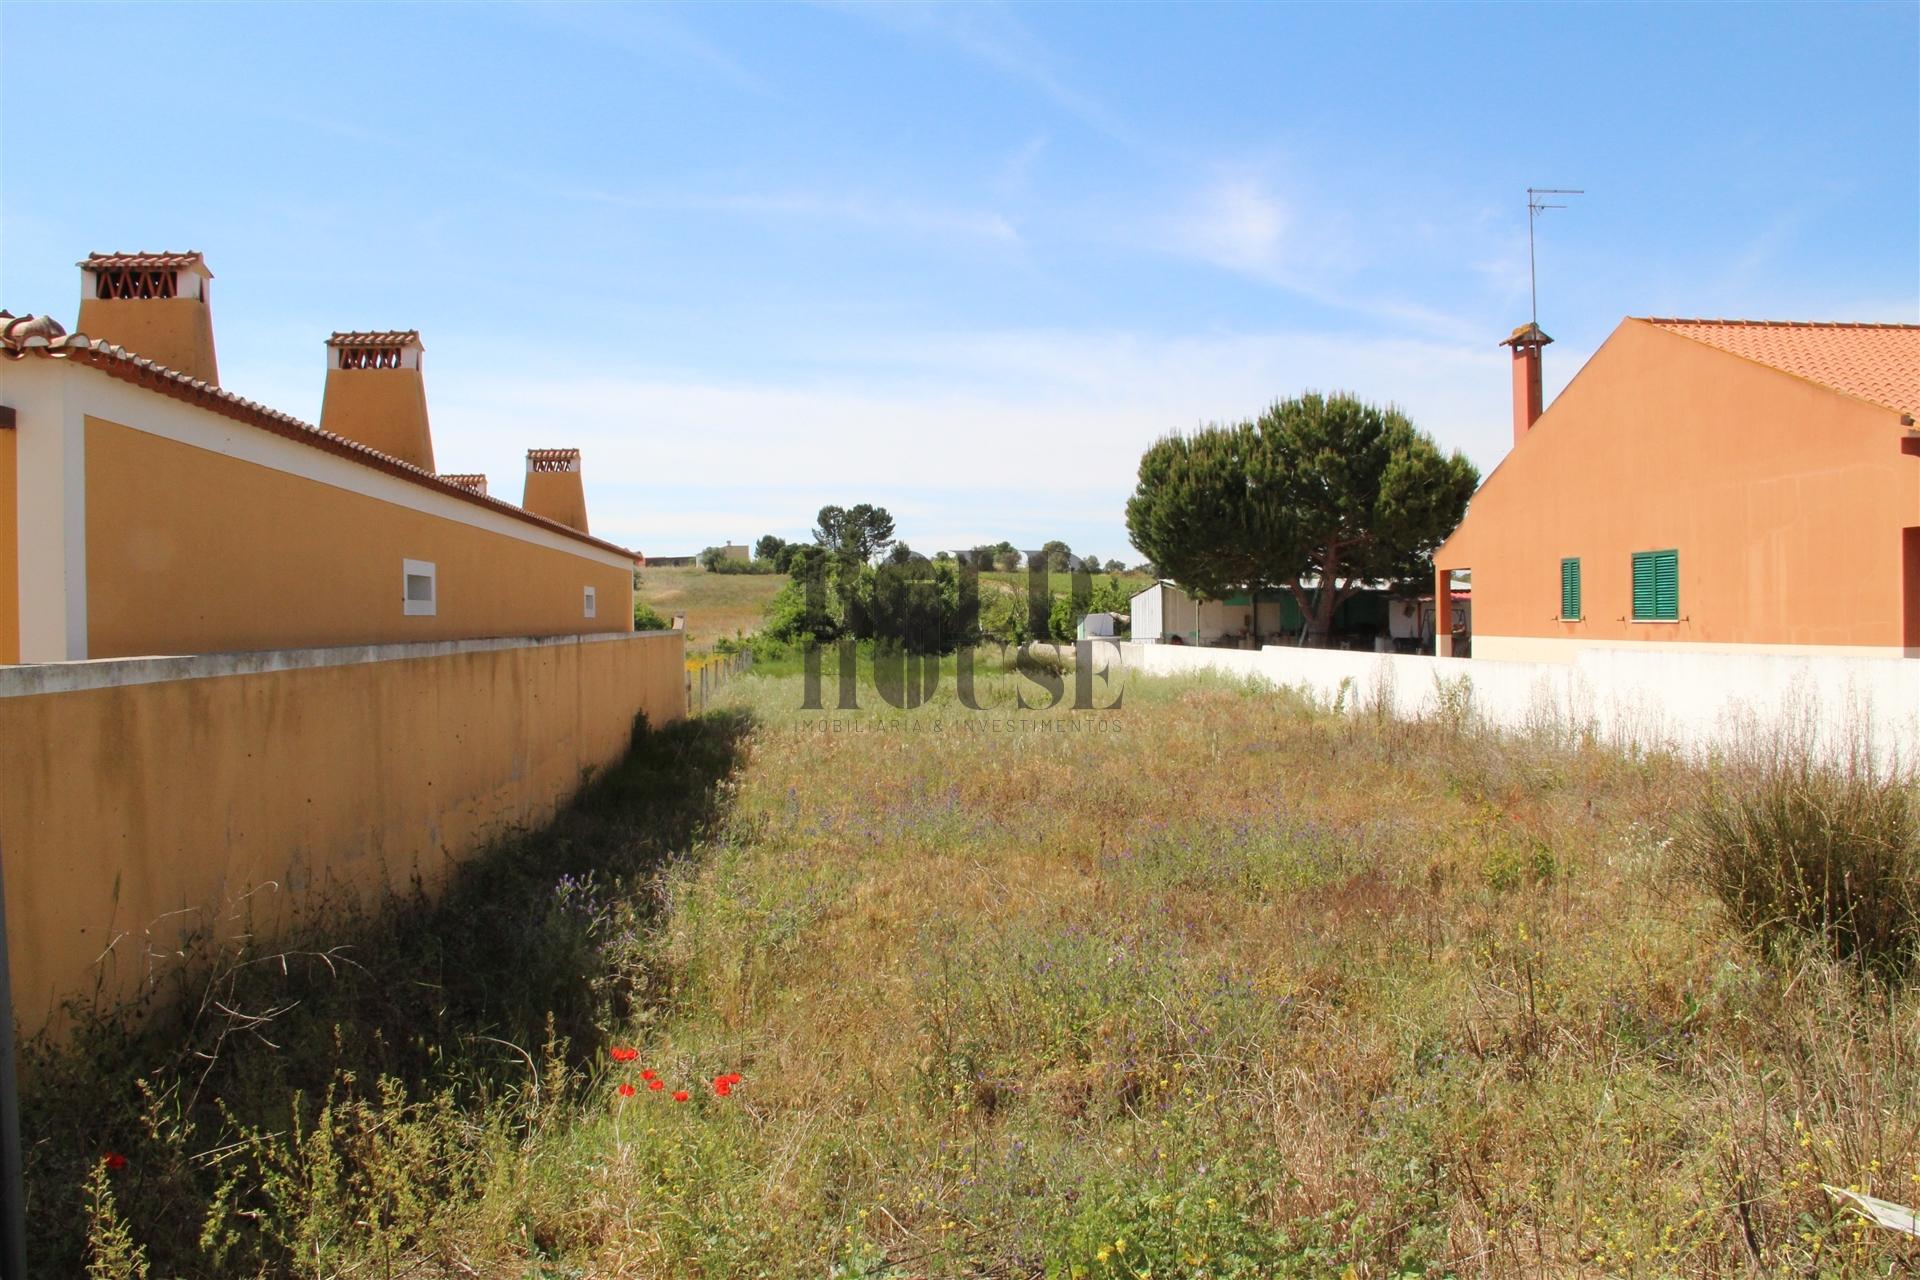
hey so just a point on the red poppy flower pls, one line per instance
(721, 1088)
(115, 1161)
(647, 1074)
(681, 1096)
(732, 1078)
(655, 1085)
(626, 1091)
(623, 1053)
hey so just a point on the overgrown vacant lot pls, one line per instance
(1212, 985)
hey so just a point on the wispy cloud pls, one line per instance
(905, 421)
(994, 35)
(653, 31)
(1303, 241)
(882, 212)
(1239, 224)
(1016, 173)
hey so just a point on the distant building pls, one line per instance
(146, 510)
(1166, 614)
(1704, 484)
(1100, 626)
(736, 551)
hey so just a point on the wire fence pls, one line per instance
(707, 673)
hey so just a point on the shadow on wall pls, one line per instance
(533, 947)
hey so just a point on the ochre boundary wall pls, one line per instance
(143, 799)
(1650, 698)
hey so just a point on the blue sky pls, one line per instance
(962, 261)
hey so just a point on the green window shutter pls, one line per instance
(1666, 586)
(1656, 586)
(1643, 586)
(1570, 589)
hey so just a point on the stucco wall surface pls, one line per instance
(144, 799)
(192, 551)
(9, 549)
(1648, 697)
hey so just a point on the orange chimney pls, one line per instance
(375, 394)
(153, 304)
(1526, 342)
(554, 489)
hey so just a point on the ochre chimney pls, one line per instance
(153, 304)
(553, 487)
(471, 481)
(1527, 400)
(375, 394)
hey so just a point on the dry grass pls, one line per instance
(1209, 986)
(717, 605)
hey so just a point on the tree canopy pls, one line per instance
(856, 533)
(1320, 496)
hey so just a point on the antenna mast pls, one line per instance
(1535, 205)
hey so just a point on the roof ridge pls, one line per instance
(1780, 324)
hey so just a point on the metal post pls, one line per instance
(13, 1197)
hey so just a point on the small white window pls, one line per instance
(419, 590)
(588, 603)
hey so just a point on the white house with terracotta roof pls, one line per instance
(1708, 485)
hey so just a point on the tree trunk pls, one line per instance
(1320, 622)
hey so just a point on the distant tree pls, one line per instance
(1114, 566)
(783, 558)
(1057, 555)
(901, 553)
(768, 548)
(1063, 618)
(711, 557)
(804, 561)
(1003, 617)
(1006, 561)
(857, 533)
(1321, 496)
(1090, 563)
(943, 557)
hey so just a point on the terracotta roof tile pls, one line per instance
(466, 480)
(376, 338)
(146, 261)
(30, 335)
(1877, 362)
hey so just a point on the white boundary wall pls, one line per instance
(1691, 702)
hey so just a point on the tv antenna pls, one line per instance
(1535, 206)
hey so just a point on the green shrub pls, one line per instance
(1801, 850)
(647, 618)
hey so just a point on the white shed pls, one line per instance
(1164, 614)
(1099, 624)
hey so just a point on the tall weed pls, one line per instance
(1797, 849)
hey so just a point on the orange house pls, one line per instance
(146, 510)
(1706, 485)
